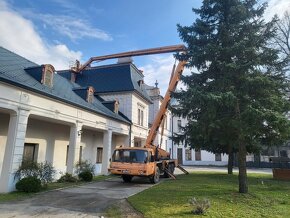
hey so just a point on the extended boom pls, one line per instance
(150, 160)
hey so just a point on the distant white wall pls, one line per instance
(207, 158)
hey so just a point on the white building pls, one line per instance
(45, 117)
(120, 83)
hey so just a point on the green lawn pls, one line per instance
(266, 198)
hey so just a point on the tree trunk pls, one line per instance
(243, 183)
(230, 160)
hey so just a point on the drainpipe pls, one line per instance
(130, 135)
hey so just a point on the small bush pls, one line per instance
(86, 176)
(27, 169)
(84, 166)
(43, 171)
(29, 184)
(199, 206)
(67, 178)
(46, 172)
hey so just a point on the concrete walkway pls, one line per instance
(88, 200)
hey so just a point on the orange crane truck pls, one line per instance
(150, 160)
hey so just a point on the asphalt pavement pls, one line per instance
(89, 200)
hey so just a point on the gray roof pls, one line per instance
(111, 78)
(12, 71)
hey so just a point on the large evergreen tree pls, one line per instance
(237, 99)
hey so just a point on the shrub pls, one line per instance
(67, 178)
(27, 169)
(199, 206)
(84, 166)
(86, 176)
(29, 184)
(43, 171)
(46, 172)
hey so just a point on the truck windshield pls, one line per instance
(130, 156)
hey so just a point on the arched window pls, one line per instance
(90, 94)
(116, 106)
(47, 75)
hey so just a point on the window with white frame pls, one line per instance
(188, 154)
(99, 155)
(165, 122)
(29, 152)
(197, 155)
(218, 157)
(179, 125)
(141, 115)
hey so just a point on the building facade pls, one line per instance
(45, 117)
(123, 83)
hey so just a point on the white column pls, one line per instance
(14, 149)
(107, 151)
(74, 147)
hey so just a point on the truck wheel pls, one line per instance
(155, 179)
(127, 178)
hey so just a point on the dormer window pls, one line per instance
(140, 82)
(47, 75)
(116, 106)
(90, 94)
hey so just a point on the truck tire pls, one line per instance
(127, 178)
(155, 179)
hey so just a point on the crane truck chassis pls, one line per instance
(138, 161)
(150, 160)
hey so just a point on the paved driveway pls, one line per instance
(88, 200)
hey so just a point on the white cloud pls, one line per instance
(19, 35)
(276, 7)
(160, 69)
(72, 27)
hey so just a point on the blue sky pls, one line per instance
(114, 25)
(60, 31)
